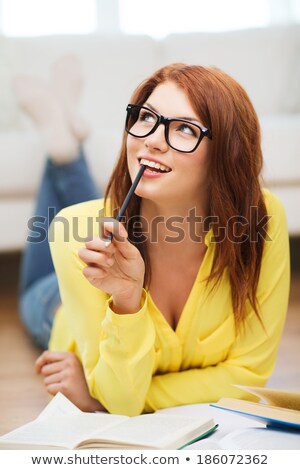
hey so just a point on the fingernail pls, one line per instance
(107, 243)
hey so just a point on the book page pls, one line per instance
(252, 439)
(275, 397)
(261, 438)
(198, 410)
(158, 430)
(60, 425)
(59, 406)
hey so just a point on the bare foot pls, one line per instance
(67, 81)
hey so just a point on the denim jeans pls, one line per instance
(39, 298)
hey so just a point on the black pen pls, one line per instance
(130, 192)
(128, 197)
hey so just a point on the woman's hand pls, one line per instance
(115, 267)
(63, 372)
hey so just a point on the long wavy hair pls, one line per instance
(235, 164)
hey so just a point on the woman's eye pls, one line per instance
(186, 129)
(147, 117)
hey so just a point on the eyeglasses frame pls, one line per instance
(204, 132)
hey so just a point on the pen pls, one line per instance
(128, 196)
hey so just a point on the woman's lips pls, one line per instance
(148, 173)
(153, 168)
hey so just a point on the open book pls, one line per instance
(282, 407)
(63, 426)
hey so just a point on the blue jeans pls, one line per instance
(61, 186)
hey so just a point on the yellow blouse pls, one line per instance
(137, 363)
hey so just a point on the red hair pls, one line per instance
(235, 164)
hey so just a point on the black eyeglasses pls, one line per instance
(181, 135)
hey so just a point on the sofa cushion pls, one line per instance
(289, 197)
(14, 216)
(281, 144)
(22, 157)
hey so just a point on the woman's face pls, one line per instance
(186, 179)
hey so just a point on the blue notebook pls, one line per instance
(282, 407)
(272, 416)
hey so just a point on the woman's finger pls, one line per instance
(116, 229)
(48, 357)
(53, 378)
(54, 388)
(95, 257)
(52, 368)
(100, 245)
(120, 239)
(92, 272)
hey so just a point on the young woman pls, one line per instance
(190, 295)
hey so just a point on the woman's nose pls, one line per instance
(157, 140)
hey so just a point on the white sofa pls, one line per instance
(265, 61)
